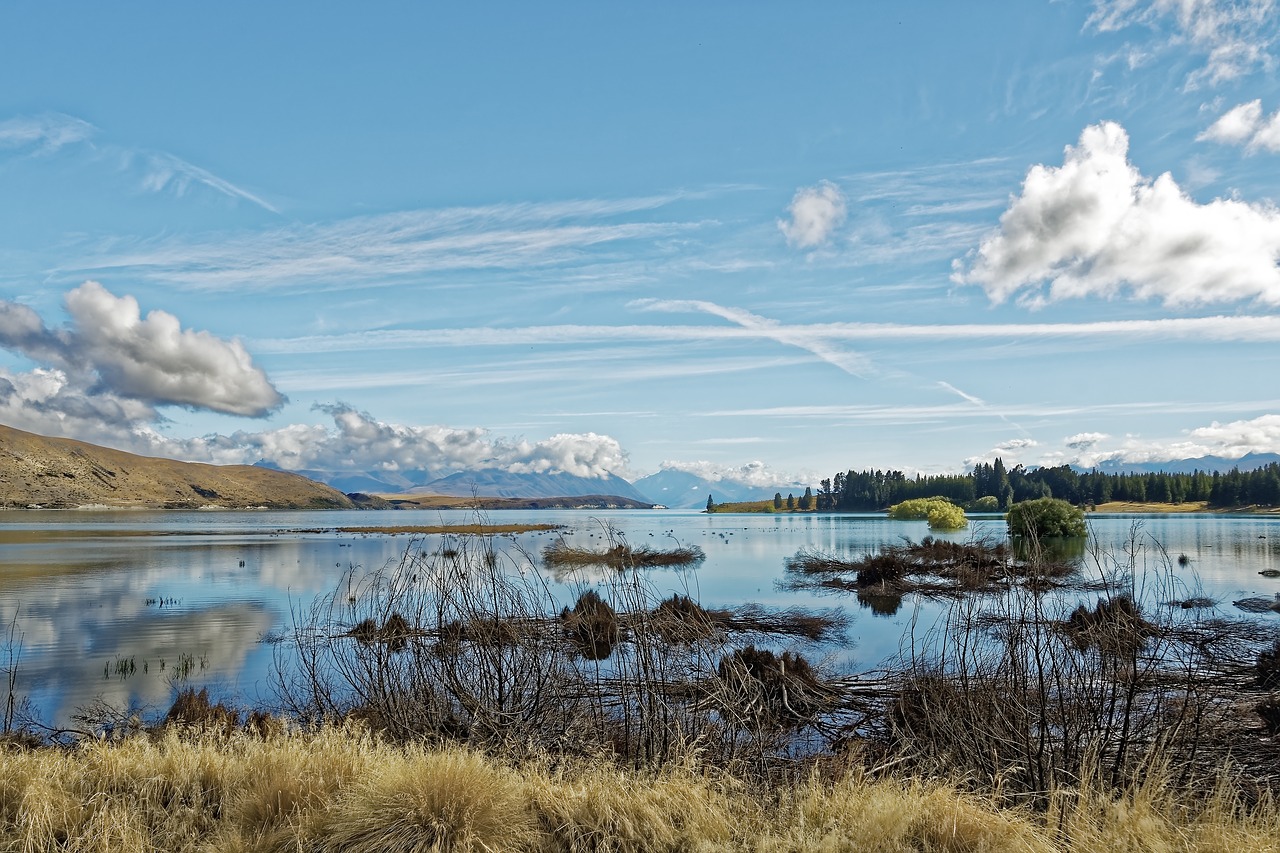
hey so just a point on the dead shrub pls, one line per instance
(1269, 710)
(1268, 667)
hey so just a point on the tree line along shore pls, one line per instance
(992, 487)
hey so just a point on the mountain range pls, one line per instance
(669, 487)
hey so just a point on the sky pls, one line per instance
(750, 240)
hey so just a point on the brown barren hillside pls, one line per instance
(62, 473)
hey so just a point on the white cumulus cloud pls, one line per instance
(1246, 125)
(1084, 440)
(815, 213)
(754, 473)
(1095, 226)
(110, 346)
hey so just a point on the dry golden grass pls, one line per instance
(61, 472)
(341, 790)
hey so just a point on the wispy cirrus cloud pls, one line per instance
(388, 247)
(1235, 37)
(853, 363)
(1213, 329)
(45, 133)
(154, 171)
(928, 211)
(578, 367)
(942, 413)
(164, 172)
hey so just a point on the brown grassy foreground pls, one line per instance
(340, 789)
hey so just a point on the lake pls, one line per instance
(130, 606)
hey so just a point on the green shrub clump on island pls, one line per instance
(1046, 517)
(941, 513)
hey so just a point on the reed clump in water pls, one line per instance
(592, 625)
(621, 556)
(930, 567)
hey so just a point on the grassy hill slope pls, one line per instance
(59, 473)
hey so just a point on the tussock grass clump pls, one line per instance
(930, 566)
(586, 805)
(394, 632)
(192, 708)
(783, 689)
(680, 619)
(428, 801)
(1114, 625)
(621, 556)
(857, 812)
(592, 625)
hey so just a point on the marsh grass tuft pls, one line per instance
(931, 566)
(193, 708)
(592, 625)
(621, 556)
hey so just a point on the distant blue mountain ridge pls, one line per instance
(669, 487)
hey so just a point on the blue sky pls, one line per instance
(780, 239)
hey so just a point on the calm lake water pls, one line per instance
(189, 597)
